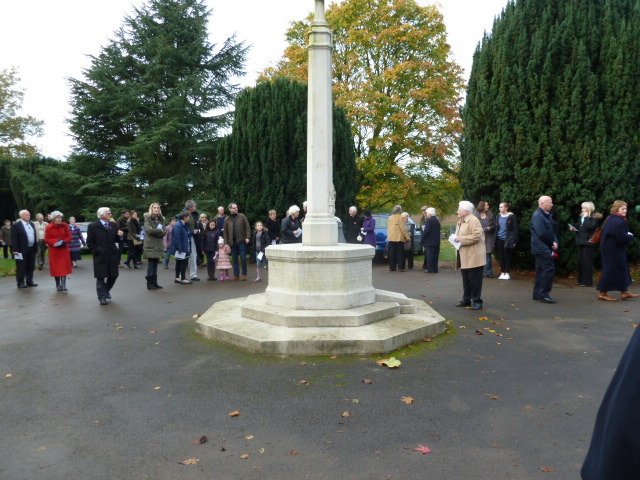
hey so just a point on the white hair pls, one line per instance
(431, 211)
(353, 208)
(466, 205)
(23, 211)
(405, 214)
(304, 204)
(55, 214)
(102, 210)
(293, 209)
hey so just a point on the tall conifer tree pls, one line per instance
(553, 107)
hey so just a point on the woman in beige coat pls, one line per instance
(471, 256)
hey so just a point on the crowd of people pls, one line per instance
(221, 244)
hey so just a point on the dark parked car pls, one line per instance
(381, 234)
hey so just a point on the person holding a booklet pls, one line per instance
(291, 229)
(24, 240)
(469, 240)
(585, 228)
(261, 240)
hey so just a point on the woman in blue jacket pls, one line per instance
(181, 244)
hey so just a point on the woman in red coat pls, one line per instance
(58, 237)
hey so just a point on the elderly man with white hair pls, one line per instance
(543, 244)
(24, 240)
(471, 256)
(430, 241)
(102, 236)
(353, 226)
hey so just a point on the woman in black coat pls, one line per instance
(291, 226)
(585, 229)
(506, 238)
(613, 248)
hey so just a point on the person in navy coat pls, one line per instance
(24, 241)
(543, 244)
(613, 453)
(430, 240)
(613, 249)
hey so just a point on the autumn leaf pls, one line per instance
(153, 331)
(407, 400)
(422, 449)
(483, 318)
(391, 362)
(244, 456)
(190, 461)
(235, 413)
(293, 452)
(547, 469)
(249, 437)
(201, 440)
(346, 414)
(157, 388)
(9, 375)
(492, 397)
(479, 332)
(197, 315)
(367, 381)
(304, 382)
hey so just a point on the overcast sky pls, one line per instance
(49, 41)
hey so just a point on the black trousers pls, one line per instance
(42, 252)
(409, 256)
(26, 266)
(396, 255)
(104, 286)
(545, 270)
(585, 265)
(7, 250)
(504, 256)
(472, 284)
(431, 256)
(181, 268)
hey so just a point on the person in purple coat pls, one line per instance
(369, 229)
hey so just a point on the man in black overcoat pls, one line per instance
(102, 236)
(613, 454)
(353, 226)
(24, 240)
(543, 244)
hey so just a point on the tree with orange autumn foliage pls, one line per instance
(394, 78)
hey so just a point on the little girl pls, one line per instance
(224, 261)
(260, 242)
(210, 247)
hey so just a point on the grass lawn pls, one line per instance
(7, 267)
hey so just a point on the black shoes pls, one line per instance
(476, 306)
(32, 284)
(547, 300)
(22, 285)
(103, 301)
(462, 303)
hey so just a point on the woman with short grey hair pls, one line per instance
(58, 237)
(291, 229)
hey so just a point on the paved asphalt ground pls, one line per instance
(123, 391)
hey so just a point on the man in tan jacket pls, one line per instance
(397, 235)
(471, 256)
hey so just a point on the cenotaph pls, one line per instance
(320, 297)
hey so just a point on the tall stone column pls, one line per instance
(320, 227)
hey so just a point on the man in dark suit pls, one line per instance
(353, 226)
(102, 237)
(543, 244)
(430, 240)
(24, 241)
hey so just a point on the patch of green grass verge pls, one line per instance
(7, 267)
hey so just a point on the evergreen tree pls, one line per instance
(553, 108)
(151, 100)
(262, 164)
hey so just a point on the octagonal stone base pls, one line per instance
(409, 321)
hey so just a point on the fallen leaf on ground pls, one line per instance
(528, 406)
(201, 440)
(334, 357)
(235, 413)
(153, 331)
(303, 364)
(367, 381)
(422, 449)
(249, 437)
(492, 397)
(261, 450)
(197, 315)
(293, 452)
(119, 328)
(355, 400)
(495, 445)
(391, 362)
(244, 456)
(483, 318)
(547, 469)
(479, 332)
(9, 375)
(462, 326)
(407, 400)
(346, 414)
(190, 461)
(427, 340)
(304, 382)
(157, 388)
